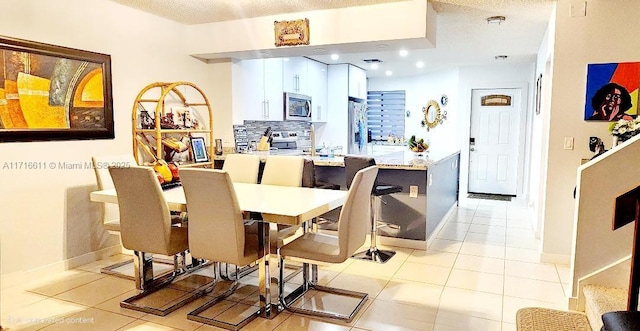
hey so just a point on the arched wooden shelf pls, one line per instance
(162, 98)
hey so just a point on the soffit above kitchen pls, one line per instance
(462, 35)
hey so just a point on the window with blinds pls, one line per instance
(385, 115)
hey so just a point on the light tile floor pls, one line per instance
(481, 268)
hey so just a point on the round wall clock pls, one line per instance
(444, 99)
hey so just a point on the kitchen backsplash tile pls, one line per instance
(255, 130)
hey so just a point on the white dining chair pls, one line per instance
(217, 233)
(353, 225)
(242, 168)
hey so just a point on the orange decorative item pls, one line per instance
(174, 171)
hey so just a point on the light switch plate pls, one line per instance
(413, 191)
(568, 143)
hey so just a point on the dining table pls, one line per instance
(278, 205)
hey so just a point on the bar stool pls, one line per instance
(352, 165)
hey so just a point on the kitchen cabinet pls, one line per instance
(295, 76)
(318, 80)
(357, 83)
(260, 89)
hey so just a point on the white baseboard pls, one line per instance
(399, 242)
(555, 258)
(20, 277)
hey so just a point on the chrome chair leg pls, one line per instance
(373, 253)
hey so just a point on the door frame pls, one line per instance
(525, 106)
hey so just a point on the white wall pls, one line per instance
(47, 217)
(492, 76)
(420, 90)
(606, 34)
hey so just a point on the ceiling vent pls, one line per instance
(372, 60)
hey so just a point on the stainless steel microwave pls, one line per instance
(297, 107)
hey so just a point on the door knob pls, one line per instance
(472, 149)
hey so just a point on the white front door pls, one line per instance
(494, 141)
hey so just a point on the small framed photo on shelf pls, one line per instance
(199, 150)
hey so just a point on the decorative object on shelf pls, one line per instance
(432, 115)
(444, 100)
(54, 93)
(609, 90)
(179, 119)
(417, 146)
(199, 150)
(291, 33)
(623, 130)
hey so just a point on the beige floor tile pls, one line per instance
(520, 233)
(97, 291)
(512, 305)
(96, 266)
(454, 226)
(360, 267)
(91, 319)
(40, 314)
(564, 272)
(480, 264)
(509, 326)
(432, 257)
(324, 277)
(520, 242)
(113, 305)
(178, 319)
(476, 281)
(539, 271)
(484, 238)
(488, 229)
(16, 297)
(452, 235)
(523, 224)
(264, 324)
(141, 325)
(522, 254)
(338, 267)
(487, 220)
(63, 282)
(486, 250)
(411, 293)
(534, 289)
(366, 284)
(451, 321)
(472, 303)
(500, 214)
(298, 322)
(445, 245)
(384, 315)
(418, 272)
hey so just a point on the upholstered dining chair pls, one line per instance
(146, 229)
(283, 170)
(242, 168)
(110, 212)
(352, 231)
(217, 231)
(352, 164)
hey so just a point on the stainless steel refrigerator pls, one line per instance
(358, 132)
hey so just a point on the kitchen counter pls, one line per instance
(405, 160)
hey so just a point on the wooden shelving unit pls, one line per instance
(163, 99)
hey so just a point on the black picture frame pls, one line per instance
(199, 150)
(50, 92)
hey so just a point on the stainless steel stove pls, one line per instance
(284, 139)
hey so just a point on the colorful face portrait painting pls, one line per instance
(612, 91)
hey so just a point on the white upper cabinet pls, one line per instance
(295, 76)
(357, 82)
(260, 90)
(318, 90)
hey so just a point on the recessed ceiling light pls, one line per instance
(419, 64)
(320, 50)
(495, 19)
(404, 52)
(382, 46)
(500, 57)
(374, 66)
(335, 57)
(263, 53)
(388, 72)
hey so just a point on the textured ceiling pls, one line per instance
(463, 35)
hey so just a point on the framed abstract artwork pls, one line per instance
(50, 92)
(612, 91)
